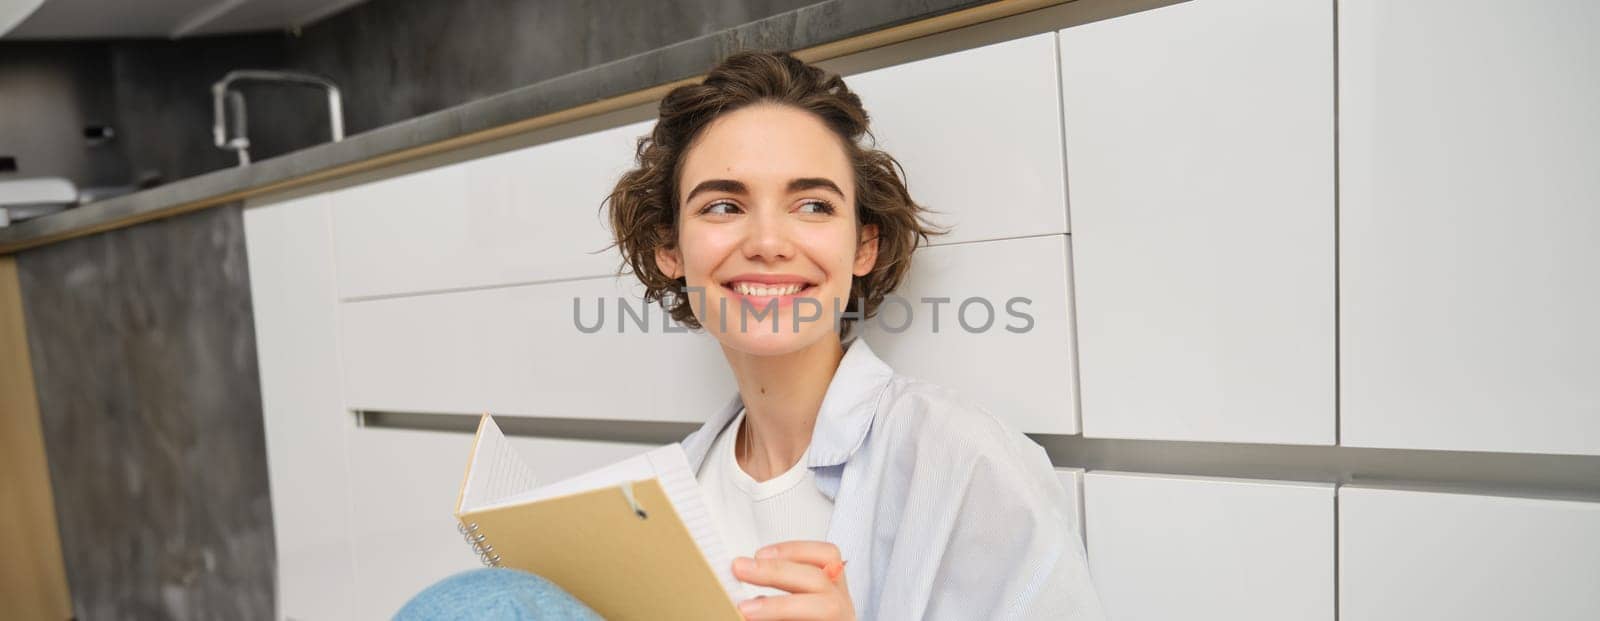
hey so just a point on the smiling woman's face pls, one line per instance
(767, 221)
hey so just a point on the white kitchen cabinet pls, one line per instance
(979, 134)
(1178, 547)
(289, 248)
(1469, 209)
(519, 350)
(1420, 556)
(402, 504)
(523, 216)
(1004, 337)
(1072, 481)
(403, 491)
(363, 517)
(1200, 164)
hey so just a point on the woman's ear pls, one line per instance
(867, 250)
(668, 261)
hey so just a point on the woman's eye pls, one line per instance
(720, 208)
(814, 206)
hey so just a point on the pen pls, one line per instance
(833, 569)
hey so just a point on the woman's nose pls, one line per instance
(768, 236)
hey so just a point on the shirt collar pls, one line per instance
(848, 408)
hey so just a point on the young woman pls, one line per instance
(754, 205)
(757, 214)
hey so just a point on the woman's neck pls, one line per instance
(782, 395)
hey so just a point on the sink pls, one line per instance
(21, 199)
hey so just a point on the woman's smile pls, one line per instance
(763, 290)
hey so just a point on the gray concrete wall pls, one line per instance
(144, 357)
(394, 60)
(48, 93)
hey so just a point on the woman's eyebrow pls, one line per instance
(733, 186)
(807, 183)
(716, 185)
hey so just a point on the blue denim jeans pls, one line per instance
(496, 594)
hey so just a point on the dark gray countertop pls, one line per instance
(818, 24)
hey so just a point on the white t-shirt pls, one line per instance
(754, 514)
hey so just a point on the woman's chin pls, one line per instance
(760, 339)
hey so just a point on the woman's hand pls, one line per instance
(802, 568)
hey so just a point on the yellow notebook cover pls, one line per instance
(638, 557)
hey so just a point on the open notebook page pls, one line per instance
(496, 471)
(668, 463)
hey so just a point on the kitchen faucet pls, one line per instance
(226, 103)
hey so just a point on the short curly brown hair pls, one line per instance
(644, 204)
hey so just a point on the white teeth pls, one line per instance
(759, 290)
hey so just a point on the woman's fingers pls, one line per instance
(802, 606)
(819, 553)
(782, 574)
(799, 567)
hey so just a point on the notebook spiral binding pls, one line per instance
(486, 555)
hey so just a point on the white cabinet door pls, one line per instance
(979, 135)
(1420, 556)
(1201, 174)
(1469, 148)
(1002, 338)
(403, 491)
(1072, 481)
(1174, 547)
(290, 251)
(517, 217)
(520, 350)
(403, 498)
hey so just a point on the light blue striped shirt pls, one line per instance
(941, 510)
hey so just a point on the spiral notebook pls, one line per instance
(633, 540)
